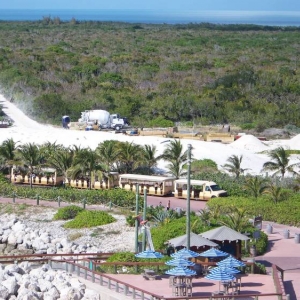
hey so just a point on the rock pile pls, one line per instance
(24, 235)
(19, 282)
(18, 238)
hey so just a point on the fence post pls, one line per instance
(58, 200)
(110, 205)
(37, 199)
(14, 197)
(126, 290)
(83, 203)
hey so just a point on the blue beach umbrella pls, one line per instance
(219, 275)
(149, 254)
(231, 262)
(228, 270)
(213, 253)
(180, 261)
(181, 271)
(185, 253)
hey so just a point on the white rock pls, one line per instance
(74, 294)
(18, 226)
(11, 284)
(52, 294)
(3, 292)
(45, 285)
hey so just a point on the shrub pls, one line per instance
(68, 212)
(130, 220)
(87, 219)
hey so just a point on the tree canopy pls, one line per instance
(154, 73)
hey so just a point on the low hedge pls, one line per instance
(285, 212)
(87, 219)
(68, 212)
(118, 197)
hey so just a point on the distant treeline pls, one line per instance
(154, 74)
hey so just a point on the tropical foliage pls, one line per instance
(154, 74)
(233, 165)
(279, 163)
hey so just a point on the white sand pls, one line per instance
(26, 130)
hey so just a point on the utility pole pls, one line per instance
(188, 199)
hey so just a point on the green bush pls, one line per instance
(87, 219)
(117, 197)
(130, 220)
(130, 257)
(174, 228)
(284, 212)
(160, 122)
(247, 126)
(68, 212)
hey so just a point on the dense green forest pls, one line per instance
(195, 73)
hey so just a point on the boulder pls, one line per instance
(11, 285)
(52, 294)
(3, 292)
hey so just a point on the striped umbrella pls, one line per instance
(219, 275)
(149, 254)
(181, 271)
(185, 253)
(179, 261)
(228, 270)
(231, 262)
(213, 253)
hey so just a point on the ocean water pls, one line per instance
(272, 18)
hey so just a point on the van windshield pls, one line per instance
(215, 188)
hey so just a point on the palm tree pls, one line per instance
(149, 157)
(62, 161)
(8, 154)
(31, 157)
(234, 165)
(236, 219)
(86, 161)
(176, 157)
(256, 185)
(108, 152)
(279, 163)
(47, 149)
(129, 156)
(276, 193)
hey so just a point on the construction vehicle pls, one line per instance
(102, 119)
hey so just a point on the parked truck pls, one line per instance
(103, 119)
(199, 189)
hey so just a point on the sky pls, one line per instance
(251, 5)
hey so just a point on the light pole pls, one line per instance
(144, 218)
(188, 198)
(136, 219)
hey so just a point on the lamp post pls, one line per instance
(188, 198)
(144, 218)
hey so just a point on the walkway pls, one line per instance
(282, 251)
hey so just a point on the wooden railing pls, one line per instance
(83, 265)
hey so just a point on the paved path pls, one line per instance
(284, 252)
